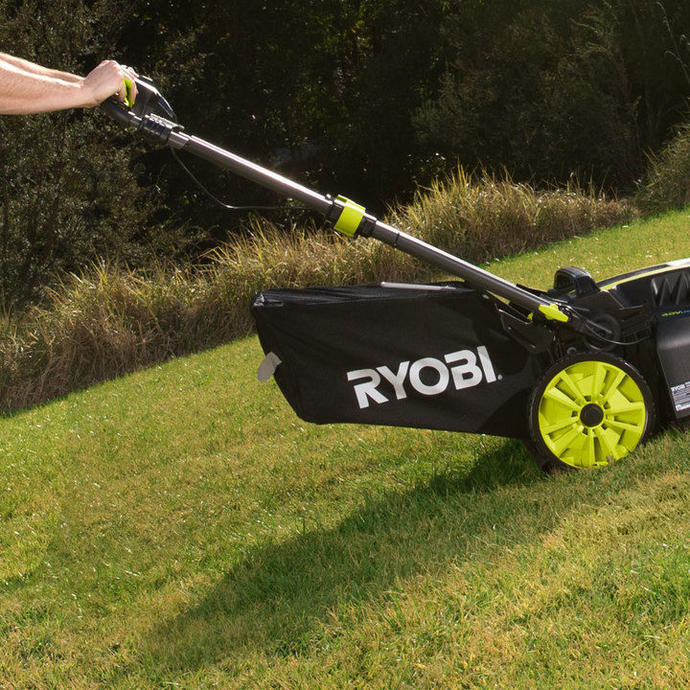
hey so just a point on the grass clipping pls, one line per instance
(110, 321)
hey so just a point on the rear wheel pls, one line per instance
(589, 410)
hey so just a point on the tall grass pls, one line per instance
(487, 217)
(109, 321)
(667, 183)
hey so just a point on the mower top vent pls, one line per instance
(671, 290)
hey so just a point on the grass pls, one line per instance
(667, 182)
(110, 321)
(483, 217)
(181, 528)
(604, 253)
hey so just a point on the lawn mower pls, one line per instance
(582, 372)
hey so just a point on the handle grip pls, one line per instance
(119, 110)
(129, 84)
(149, 101)
(115, 109)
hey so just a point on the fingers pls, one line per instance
(128, 80)
(108, 79)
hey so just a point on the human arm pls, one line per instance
(27, 88)
(33, 68)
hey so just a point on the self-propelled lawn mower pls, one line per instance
(582, 373)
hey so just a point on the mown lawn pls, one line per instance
(182, 528)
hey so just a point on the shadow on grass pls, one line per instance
(281, 598)
(294, 598)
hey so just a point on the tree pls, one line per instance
(546, 89)
(68, 196)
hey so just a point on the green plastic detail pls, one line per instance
(129, 101)
(552, 312)
(611, 426)
(350, 217)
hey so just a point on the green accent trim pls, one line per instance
(129, 101)
(611, 283)
(595, 382)
(553, 313)
(350, 217)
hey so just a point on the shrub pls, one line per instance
(667, 184)
(109, 321)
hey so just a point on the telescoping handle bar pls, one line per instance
(348, 217)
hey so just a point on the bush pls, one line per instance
(546, 88)
(67, 192)
(667, 184)
(109, 321)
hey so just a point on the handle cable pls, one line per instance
(228, 207)
(217, 201)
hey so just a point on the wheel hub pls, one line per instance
(591, 415)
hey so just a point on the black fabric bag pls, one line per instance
(433, 357)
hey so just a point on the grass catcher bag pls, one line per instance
(427, 356)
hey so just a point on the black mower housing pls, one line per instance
(446, 356)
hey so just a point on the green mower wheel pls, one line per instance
(589, 410)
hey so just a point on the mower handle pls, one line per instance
(149, 101)
(349, 218)
(118, 111)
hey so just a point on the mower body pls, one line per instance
(446, 356)
(665, 291)
(583, 372)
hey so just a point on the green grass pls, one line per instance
(604, 253)
(180, 527)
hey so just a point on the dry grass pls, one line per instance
(110, 321)
(487, 217)
(667, 183)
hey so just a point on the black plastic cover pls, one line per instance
(673, 348)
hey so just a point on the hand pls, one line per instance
(107, 80)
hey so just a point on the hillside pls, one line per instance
(180, 527)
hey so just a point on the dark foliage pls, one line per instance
(362, 98)
(67, 191)
(550, 88)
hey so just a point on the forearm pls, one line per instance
(27, 88)
(23, 92)
(32, 68)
